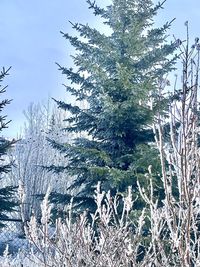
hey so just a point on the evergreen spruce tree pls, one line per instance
(114, 75)
(7, 202)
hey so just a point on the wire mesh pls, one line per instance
(11, 235)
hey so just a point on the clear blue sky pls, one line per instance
(30, 42)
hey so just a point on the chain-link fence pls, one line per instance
(11, 235)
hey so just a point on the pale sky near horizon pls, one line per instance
(31, 43)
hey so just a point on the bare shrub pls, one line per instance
(104, 238)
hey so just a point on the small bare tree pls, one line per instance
(33, 152)
(180, 160)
